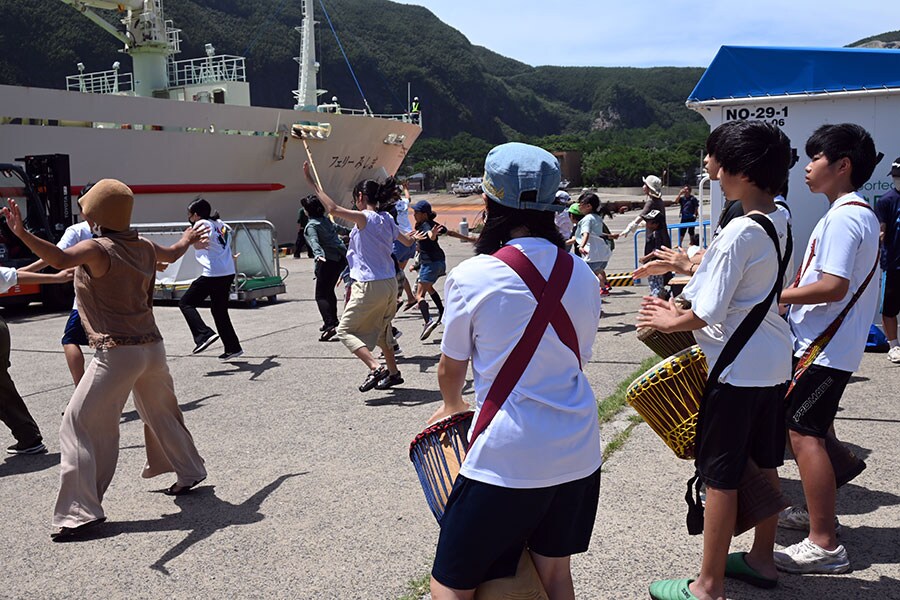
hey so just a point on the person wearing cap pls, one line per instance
(432, 264)
(416, 110)
(13, 411)
(653, 190)
(563, 222)
(888, 210)
(531, 478)
(657, 238)
(114, 276)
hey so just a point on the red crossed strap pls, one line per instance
(549, 311)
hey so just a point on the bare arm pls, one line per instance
(451, 380)
(87, 253)
(830, 288)
(668, 260)
(34, 267)
(331, 207)
(27, 277)
(169, 254)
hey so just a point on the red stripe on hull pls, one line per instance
(197, 188)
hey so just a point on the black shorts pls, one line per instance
(74, 331)
(736, 424)
(485, 527)
(813, 402)
(891, 306)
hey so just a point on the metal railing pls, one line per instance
(101, 82)
(193, 71)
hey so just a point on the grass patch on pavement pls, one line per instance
(610, 406)
(417, 588)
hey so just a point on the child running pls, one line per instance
(432, 264)
(741, 416)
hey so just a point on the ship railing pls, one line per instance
(342, 110)
(210, 69)
(101, 82)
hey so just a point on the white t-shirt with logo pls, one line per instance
(216, 259)
(546, 433)
(846, 245)
(737, 272)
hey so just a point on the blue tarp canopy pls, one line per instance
(745, 72)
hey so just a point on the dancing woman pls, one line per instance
(366, 320)
(113, 282)
(214, 283)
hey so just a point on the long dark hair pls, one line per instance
(202, 209)
(502, 220)
(380, 195)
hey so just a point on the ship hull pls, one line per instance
(239, 158)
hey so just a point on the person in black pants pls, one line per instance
(331, 258)
(215, 283)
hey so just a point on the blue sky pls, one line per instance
(640, 33)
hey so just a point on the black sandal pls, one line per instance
(181, 490)
(69, 534)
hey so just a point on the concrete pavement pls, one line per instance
(311, 493)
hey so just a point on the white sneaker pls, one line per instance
(807, 557)
(894, 355)
(797, 517)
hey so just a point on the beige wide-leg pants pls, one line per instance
(89, 434)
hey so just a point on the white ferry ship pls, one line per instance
(175, 129)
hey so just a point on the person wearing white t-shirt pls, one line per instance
(740, 417)
(13, 411)
(215, 283)
(532, 478)
(842, 254)
(74, 336)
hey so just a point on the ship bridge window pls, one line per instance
(218, 96)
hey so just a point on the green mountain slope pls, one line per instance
(464, 88)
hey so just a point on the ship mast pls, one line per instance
(306, 96)
(146, 38)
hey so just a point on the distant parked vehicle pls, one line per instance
(466, 186)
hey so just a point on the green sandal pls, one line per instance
(737, 568)
(672, 589)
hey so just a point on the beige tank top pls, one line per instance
(117, 308)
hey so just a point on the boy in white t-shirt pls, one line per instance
(741, 416)
(842, 254)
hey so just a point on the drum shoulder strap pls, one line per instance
(754, 319)
(549, 305)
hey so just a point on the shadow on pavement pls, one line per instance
(407, 397)
(202, 514)
(618, 329)
(132, 415)
(28, 463)
(424, 362)
(819, 586)
(851, 499)
(243, 366)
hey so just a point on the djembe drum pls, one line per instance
(437, 454)
(668, 396)
(665, 344)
